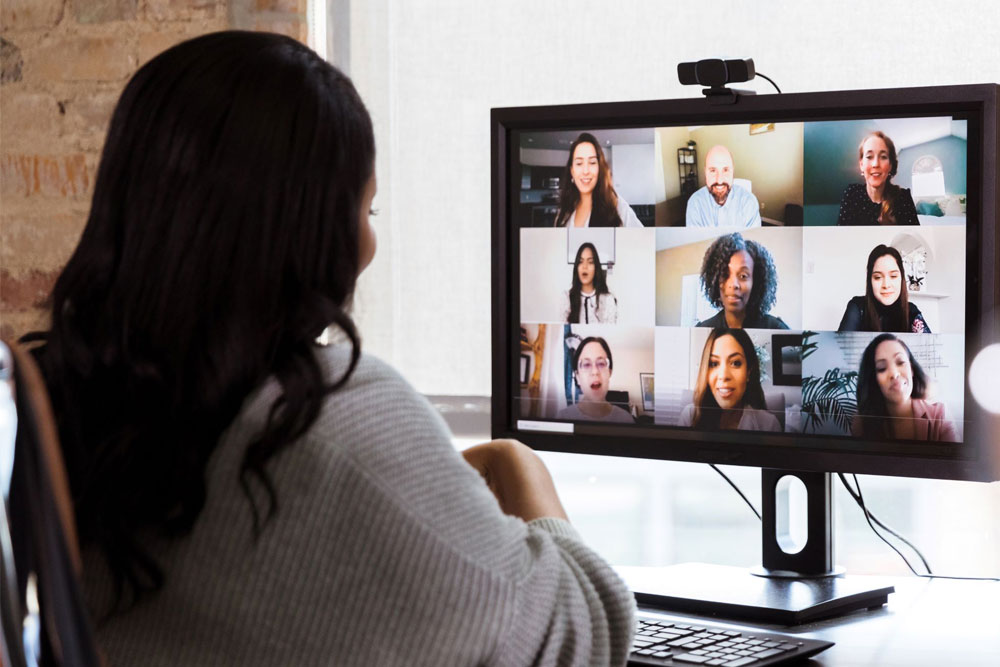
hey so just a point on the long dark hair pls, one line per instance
(891, 191)
(707, 413)
(715, 269)
(222, 239)
(898, 312)
(872, 409)
(600, 283)
(604, 210)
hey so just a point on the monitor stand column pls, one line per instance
(795, 585)
(781, 553)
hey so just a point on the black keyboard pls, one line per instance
(659, 641)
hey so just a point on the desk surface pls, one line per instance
(936, 622)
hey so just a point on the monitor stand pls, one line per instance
(794, 585)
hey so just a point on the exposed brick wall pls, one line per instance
(63, 64)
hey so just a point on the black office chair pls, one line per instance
(44, 618)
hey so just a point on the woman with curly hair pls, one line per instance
(727, 393)
(739, 277)
(879, 201)
(892, 396)
(587, 197)
(886, 304)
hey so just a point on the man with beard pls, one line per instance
(721, 203)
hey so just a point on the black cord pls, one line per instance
(732, 484)
(860, 501)
(868, 517)
(764, 76)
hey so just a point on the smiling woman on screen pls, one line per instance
(587, 197)
(727, 393)
(886, 305)
(878, 201)
(892, 396)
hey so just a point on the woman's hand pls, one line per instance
(518, 478)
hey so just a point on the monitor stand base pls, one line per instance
(733, 592)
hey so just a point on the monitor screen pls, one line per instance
(780, 285)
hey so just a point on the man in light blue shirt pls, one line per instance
(721, 203)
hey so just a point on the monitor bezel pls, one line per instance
(977, 103)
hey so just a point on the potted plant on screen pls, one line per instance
(829, 399)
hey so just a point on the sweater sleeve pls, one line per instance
(476, 586)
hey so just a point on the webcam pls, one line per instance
(716, 73)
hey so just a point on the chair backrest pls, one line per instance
(744, 183)
(45, 619)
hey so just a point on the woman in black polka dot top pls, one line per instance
(879, 201)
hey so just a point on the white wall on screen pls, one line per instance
(632, 169)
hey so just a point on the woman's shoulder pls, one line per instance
(759, 420)
(854, 190)
(927, 409)
(687, 415)
(375, 389)
(768, 321)
(717, 320)
(375, 405)
(620, 415)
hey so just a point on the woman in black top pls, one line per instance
(879, 201)
(739, 277)
(886, 304)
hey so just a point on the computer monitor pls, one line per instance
(795, 282)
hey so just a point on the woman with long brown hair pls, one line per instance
(886, 305)
(728, 394)
(878, 201)
(587, 197)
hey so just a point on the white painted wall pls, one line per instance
(431, 70)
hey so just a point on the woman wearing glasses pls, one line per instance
(593, 364)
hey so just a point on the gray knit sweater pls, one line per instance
(387, 549)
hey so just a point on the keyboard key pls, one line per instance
(683, 641)
(717, 662)
(767, 653)
(661, 654)
(693, 659)
(739, 663)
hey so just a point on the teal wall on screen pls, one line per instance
(952, 152)
(830, 164)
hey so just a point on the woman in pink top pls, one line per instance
(892, 390)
